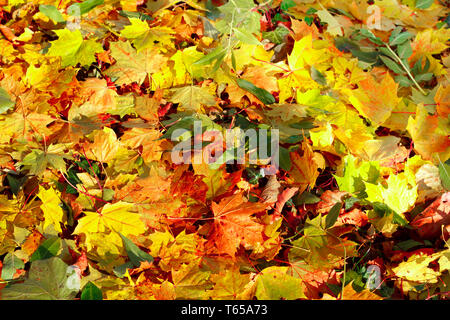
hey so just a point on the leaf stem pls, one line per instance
(406, 69)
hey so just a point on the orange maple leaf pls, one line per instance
(234, 225)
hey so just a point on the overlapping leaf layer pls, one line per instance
(93, 204)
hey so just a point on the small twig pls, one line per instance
(406, 69)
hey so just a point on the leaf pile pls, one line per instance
(94, 206)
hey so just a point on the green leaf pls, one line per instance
(91, 292)
(404, 81)
(83, 7)
(396, 39)
(138, 15)
(51, 12)
(444, 173)
(121, 270)
(263, 95)
(424, 77)
(369, 35)
(253, 175)
(345, 44)
(416, 69)
(49, 279)
(287, 4)
(306, 198)
(233, 60)
(276, 36)
(135, 254)
(388, 53)
(217, 54)
(366, 56)
(404, 50)
(407, 244)
(424, 4)
(285, 159)
(5, 101)
(15, 182)
(350, 202)
(333, 215)
(392, 64)
(318, 77)
(356, 279)
(11, 264)
(49, 248)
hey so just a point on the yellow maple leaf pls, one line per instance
(148, 139)
(232, 285)
(374, 100)
(116, 217)
(416, 269)
(50, 206)
(105, 145)
(304, 171)
(430, 136)
(350, 294)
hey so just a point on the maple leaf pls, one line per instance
(218, 181)
(148, 290)
(429, 135)
(374, 100)
(349, 127)
(356, 174)
(274, 283)
(190, 282)
(184, 65)
(417, 269)
(429, 222)
(334, 27)
(398, 195)
(53, 212)
(100, 97)
(98, 102)
(25, 125)
(320, 248)
(231, 285)
(443, 101)
(348, 293)
(72, 49)
(116, 217)
(132, 66)
(148, 139)
(49, 279)
(147, 108)
(105, 145)
(145, 37)
(179, 251)
(5, 101)
(38, 160)
(304, 170)
(192, 98)
(234, 225)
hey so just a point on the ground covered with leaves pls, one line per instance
(93, 206)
